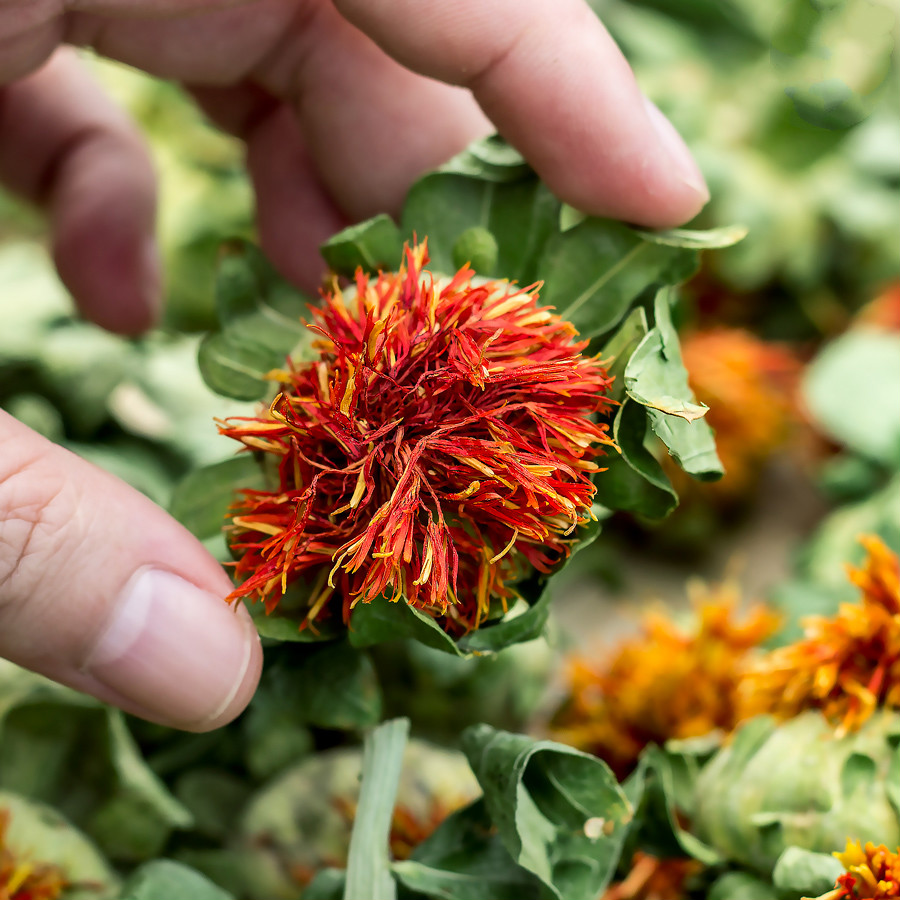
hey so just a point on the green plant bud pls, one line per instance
(478, 247)
(796, 784)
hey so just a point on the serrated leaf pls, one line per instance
(596, 269)
(202, 498)
(368, 861)
(656, 378)
(165, 878)
(372, 245)
(559, 812)
(633, 480)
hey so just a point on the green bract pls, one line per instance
(795, 784)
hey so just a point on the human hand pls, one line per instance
(99, 589)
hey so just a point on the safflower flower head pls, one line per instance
(22, 879)
(748, 385)
(439, 448)
(873, 873)
(665, 683)
(846, 666)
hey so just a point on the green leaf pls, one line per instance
(559, 812)
(136, 777)
(656, 788)
(852, 389)
(490, 159)
(512, 629)
(732, 885)
(383, 620)
(656, 378)
(165, 878)
(37, 833)
(620, 347)
(283, 628)
(331, 685)
(372, 245)
(800, 871)
(464, 859)
(232, 367)
(327, 885)
(712, 239)
(368, 861)
(202, 498)
(519, 214)
(836, 542)
(63, 748)
(135, 822)
(634, 481)
(595, 270)
(260, 318)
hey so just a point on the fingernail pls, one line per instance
(178, 653)
(677, 150)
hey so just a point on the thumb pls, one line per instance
(104, 592)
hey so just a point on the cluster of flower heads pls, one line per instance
(21, 879)
(846, 666)
(748, 385)
(873, 873)
(440, 446)
(665, 683)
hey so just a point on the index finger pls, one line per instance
(555, 84)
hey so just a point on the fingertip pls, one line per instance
(177, 653)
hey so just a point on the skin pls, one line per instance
(341, 105)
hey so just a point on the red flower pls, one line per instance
(441, 446)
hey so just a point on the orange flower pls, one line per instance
(652, 878)
(873, 873)
(748, 385)
(439, 448)
(845, 666)
(665, 683)
(23, 880)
